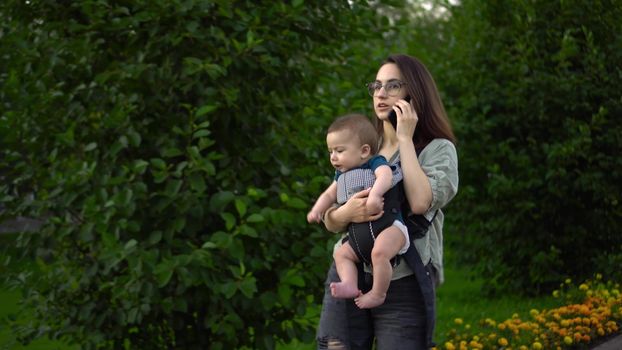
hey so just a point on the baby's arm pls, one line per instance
(326, 200)
(384, 177)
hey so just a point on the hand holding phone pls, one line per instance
(393, 115)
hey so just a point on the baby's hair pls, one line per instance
(360, 126)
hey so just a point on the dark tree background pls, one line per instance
(536, 90)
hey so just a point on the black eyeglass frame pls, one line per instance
(374, 86)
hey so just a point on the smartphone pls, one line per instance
(393, 115)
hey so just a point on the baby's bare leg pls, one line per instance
(388, 244)
(345, 262)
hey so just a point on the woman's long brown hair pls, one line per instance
(433, 121)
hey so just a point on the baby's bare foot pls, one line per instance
(343, 290)
(370, 300)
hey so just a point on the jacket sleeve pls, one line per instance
(439, 161)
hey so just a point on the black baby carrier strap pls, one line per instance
(362, 235)
(418, 226)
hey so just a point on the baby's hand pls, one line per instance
(375, 204)
(314, 216)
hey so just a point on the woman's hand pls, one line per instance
(354, 210)
(406, 119)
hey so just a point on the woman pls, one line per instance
(423, 143)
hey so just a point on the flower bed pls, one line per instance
(592, 311)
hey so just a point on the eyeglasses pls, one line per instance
(392, 87)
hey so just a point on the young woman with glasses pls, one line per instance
(423, 144)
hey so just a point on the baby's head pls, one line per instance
(351, 139)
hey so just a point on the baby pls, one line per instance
(352, 144)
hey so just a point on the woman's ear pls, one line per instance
(365, 151)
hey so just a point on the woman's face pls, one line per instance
(385, 98)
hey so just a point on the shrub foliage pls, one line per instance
(172, 148)
(536, 88)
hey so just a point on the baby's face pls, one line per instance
(345, 149)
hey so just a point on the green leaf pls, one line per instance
(297, 203)
(158, 163)
(248, 231)
(91, 146)
(179, 169)
(203, 125)
(164, 272)
(130, 244)
(139, 166)
(205, 109)
(219, 201)
(220, 239)
(197, 182)
(124, 198)
(209, 245)
(285, 294)
(171, 152)
(134, 138)
(295, 280)
(172, 187)
(293, 277)
(241, 207)
(248, 286)
(179, 224)
(154, 237)
(236, 249)
(229, 220)
(228, 289)
(268, 299)
(255, 217)
(194, 152)
(201, 133)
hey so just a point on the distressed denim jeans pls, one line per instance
(400, 323)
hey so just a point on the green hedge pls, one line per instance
(537, 90)
(174, 148)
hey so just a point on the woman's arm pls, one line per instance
(337, 219)
(416, 184)
(439, 161)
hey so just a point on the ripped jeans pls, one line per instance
(399, 323)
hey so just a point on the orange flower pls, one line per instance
(503, 342)
(449, 346)
(568, 340)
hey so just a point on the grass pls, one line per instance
(461, 297)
